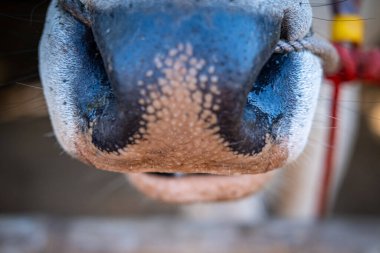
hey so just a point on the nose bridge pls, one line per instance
(234, 40)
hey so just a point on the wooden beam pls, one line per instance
(166, 235)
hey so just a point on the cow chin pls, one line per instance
(203, 110)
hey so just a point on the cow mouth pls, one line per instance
(182, 188)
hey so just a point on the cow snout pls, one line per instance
(181, 87)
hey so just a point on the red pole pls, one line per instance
(330, 154)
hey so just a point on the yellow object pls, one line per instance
(348, 28)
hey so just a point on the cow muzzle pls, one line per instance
(187, 96)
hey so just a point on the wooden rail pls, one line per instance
(165, 235)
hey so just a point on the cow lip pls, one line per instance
(192, 188)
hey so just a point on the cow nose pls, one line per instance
(183, 63)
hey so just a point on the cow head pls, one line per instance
(196, 100)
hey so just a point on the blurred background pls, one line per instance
(37, 177)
